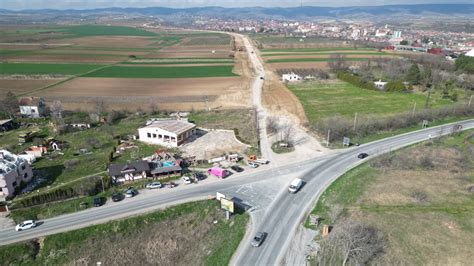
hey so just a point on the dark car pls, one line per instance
(362, 155)
(117, 196)
(237, 168)
(199, 176)
(98, 201)
(258, 239)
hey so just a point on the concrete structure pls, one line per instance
(470, 53)
(291, 77)
(13, 171)
(169, 133)
(32, 107)
(380, 84)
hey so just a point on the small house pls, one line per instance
(32, 107)
(168, 133)
(37, 151)
(290, 77)
(6, 125)
(130, 171)
(380, 84)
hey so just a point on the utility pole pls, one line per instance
(429, 96)
(414, 109)
(102, 180)
(327, 141)
(355, 121)
(470, 100)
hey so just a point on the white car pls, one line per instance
(253, 165)
(154, 185)
(25, 225)
(187, 180)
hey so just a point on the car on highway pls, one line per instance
(25, 225)
(362, 155)
(187, 180)
(253, 165)
(295, 185)
(258, 239)
(117, 196)
(131, 192)
(154, 185)
(237, 168)
(98, 201)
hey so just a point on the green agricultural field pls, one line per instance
(315, 49)
(329, 98)
(163, 72)
(101, 30)
(323, 53)
(328, 59)
(182, 235)
(31, 68)
(181, 62)
(419, 198)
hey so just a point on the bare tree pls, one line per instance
(272, 125)
(99, 107)
(287, 134)
(9, 104)
(57, 110)
(351, 242)
(337, 62)
(153, 107)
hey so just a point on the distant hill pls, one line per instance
(261, 12)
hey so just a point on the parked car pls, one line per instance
(253, 165)
(131, 192)
(98, 201)
(237, 168)
(187, 180)
(117, 196)
(154, 185)
(25, 225)
(258, 239)
(172, 184)
(362, 155)
(199, 175)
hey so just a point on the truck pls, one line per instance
(26, 136)
(217, 171)
(295, 185)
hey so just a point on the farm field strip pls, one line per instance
(270, 50)
(324, 99)
(327, 59)
(33, 68)
(163, 72)
(323, 53)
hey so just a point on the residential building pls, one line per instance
(130, 171)
(13, 171)
(397, 34)
(169, 133)
(32, 107)
(6, 125)
(291, 77)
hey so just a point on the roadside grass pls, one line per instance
(418, 197)
(348, 52)
(242, 121)
(41, 68)
(329, 49)
(325, 98)
(181, 235)
(163, 72)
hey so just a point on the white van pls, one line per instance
(295, 185)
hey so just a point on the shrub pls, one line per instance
(395, 86)
(356, 81)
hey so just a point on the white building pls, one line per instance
(380, 84)
(32, 107)
(470, 53)
(290, 77)
(13, 171)
(169, 133)
(397, 34)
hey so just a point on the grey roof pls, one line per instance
(173, 126)
(2, 122)
(161, 170)
(131, 167)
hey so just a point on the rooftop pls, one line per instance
(173, 126)
(9, 161)
(29, 101)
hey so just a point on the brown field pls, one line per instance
(316, 56)
(173, 65)
(109, 41)
(82, 93)
(188, 55)
(23, 86)
(90, 52)
(72, 58)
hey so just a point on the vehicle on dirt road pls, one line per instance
(258, 239)
(25, 225)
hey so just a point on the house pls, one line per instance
(169, 133)
(6, 125)
(36, 151)
(32, 107)
(436, 51)
(380, 84)
(14, 171)
(130, 171)
(164, 163)
(291, 77)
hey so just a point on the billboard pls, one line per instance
(219, 196)
(227, 205)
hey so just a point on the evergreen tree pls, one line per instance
(414, 75)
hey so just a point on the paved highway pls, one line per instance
(289, 210)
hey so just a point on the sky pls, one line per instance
(90, 4)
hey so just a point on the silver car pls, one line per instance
(258, 239)
(25, 225)
(154, 185)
